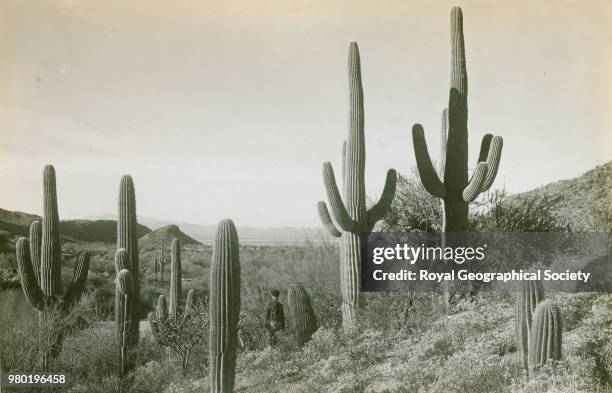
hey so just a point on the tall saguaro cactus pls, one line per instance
(350, 212)
(457, 190)
(303, 318)
(545, 341)
(127, 240)
(529, 296)
(40, 265)
(224, 306)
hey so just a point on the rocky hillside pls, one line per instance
(105, 231)
(166, 234)
(579, 202)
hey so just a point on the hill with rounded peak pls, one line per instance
(581, 202)
(105, 231)
(166, 234)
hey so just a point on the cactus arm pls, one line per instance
(124, 288)
(122, 260)
(77, 285)
(29, 282)
(326, 220)
(35, 244)
(427, 172)
(493, 159)
(338, 209)
(484, 147)
(474, 187)
(378, 211)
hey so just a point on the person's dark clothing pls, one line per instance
(275, 316)
(275, 321)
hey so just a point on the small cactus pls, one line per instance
(39, 260)
(127, 240)
(530, 295)
(224, 308)
(303, 317)
(350, 211)
(545, 340)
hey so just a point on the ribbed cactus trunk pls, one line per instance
(546, 336)
(303, 317)
(224, 306)
(127, 239)
(124, 291)
(175, 279)
(529, 296)
(458, 189)
(162, 261)
(351, 213)
(40, 268)
(51, 251)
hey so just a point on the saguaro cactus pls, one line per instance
(127, 239)
(172, 312)
(529, 296)
(350, 212)
(457, 191)
(162, 259)
(169, 325)
(40, 265)
(124, 291)
(545, 340)
(303, 317)
(224, 306)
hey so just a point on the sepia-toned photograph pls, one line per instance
(294, 196)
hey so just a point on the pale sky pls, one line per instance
(228, 109)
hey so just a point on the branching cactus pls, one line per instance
(457, 190)
(127, 240)
(350, 212)
(545, 340)
(171, 312)
(303, 317)
(224, 306)
(529, 296)
(40, 265)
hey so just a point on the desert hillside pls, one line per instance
(578, 201)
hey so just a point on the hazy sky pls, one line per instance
(228, 109)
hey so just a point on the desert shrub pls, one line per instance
(153, 377)
(400, 311)
(495, 211)
(413, 208)
(185, 334)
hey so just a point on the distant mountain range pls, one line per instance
(248, 235)
(575, 201)
(105, 231)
